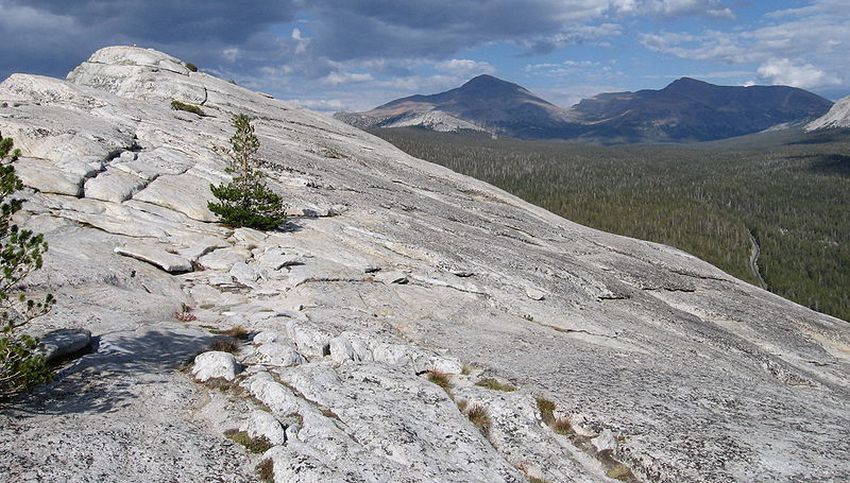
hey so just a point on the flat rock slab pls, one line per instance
(64, 342)
(45, 176)
(156, 256)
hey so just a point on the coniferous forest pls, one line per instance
(785, 192)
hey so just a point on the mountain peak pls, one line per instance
(489, 82)
(688, 83)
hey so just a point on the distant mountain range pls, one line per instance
(686, 110)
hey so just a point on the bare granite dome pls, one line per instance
(389, 268)
(837, 117)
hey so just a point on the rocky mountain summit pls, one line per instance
(693, 110)
(686, 110)
(485, 103)
(837, 118)
(407, 324)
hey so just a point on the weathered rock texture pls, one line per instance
(837, 118)
(656, 359)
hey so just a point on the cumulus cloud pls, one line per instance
(394, 48)
(337, 78)
(788, 72)
(465, 67)
(786, 49)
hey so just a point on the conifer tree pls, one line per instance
(246, 201)
(21, 252)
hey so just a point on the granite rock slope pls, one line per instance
(837, 118)
(407, 324)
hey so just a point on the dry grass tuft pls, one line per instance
(265, 471)
(237, 332)
(184, 106)
(225, 344)
(495, 385)
(562, 426)
(441, 379)
(547, 410)
(620, 472)
(254, 445)
(480, 417)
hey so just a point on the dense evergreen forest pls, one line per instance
(787, 192)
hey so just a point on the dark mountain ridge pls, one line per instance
(693, 110)
(686, 110)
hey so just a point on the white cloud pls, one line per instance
(804, 46)
(678, 8)
(337, 78)
(790, 73)
(465, 67)
(230, 54)
(301, 42)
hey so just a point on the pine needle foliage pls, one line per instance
(246, 201)
(21, 252)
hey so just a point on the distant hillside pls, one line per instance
(485, 103)
(686, 110)
(692, 110)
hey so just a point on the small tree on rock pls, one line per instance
(21, 253)
(246, 201)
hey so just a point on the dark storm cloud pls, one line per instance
(51, 36)
(168, 21)
(436, 28)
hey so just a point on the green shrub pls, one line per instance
(246, 201)
(182, 106)
(192, 67)
(21, 253)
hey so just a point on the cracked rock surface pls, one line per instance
(366, 328)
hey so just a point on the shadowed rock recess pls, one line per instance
(407, 324)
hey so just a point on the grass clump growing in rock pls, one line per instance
(620, 472)
(562, 426)
(21, 253)
(441, 379)
(480, 417)
(183, 106)
(265, 471)
(547, 414)
(254, 445)
(547, 410)
(237, 332)
(225, 344)
(495, 385)
(246, 201)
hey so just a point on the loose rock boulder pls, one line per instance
(214, 365)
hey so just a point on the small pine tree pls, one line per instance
(21, 253)
(246, 201)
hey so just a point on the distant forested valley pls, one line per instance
(786, 192)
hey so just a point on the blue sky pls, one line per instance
(355, 54)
